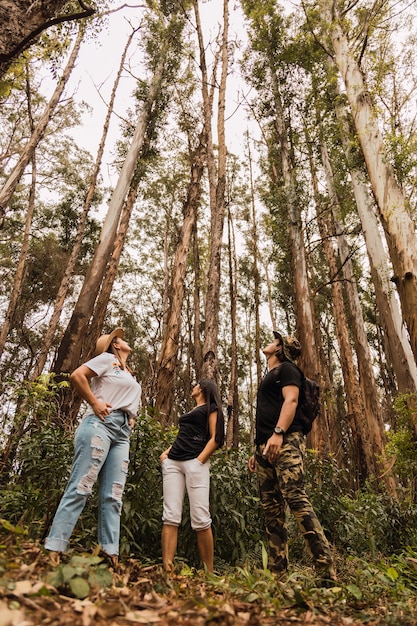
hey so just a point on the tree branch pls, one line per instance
(87, 12)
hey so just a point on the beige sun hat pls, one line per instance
(104, 341)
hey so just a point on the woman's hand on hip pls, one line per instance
(101, 409)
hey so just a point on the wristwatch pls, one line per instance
(279, 431)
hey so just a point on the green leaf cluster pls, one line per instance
(80, 576)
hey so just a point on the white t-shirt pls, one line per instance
(113, 385)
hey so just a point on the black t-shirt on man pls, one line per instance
(270, 400)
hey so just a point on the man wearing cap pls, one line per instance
(279, 459)
(101, 445)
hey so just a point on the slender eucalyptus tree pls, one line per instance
(217, 183)
(394, 213)
(396, 341)
(266, 35)
(75, 251)
(71, 345)
(167, 358)
(37, 133)
(232, 429)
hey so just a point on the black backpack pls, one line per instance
(309, 403)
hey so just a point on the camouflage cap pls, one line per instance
(290, 346)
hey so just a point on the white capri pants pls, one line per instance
(195, 476)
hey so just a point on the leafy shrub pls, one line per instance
(81, 575)
(238, 523)
(364, 522)
(402, 445)
(358, 523)
(142, 501)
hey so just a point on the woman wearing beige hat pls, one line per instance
(101, 445)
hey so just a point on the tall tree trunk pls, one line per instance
(399, 227)
(197, 344)
(21, 264)
(212, 298)
(329, 429)
(71, 345)
(167, 358)
(269, 291)
(102, 302)
(211, 172)
(397, 346)
(72, 399)
(69, 270)
(360, 448)
(309, 362)
(232, 431)
(256, 277)
(38, 133)
(373, 427)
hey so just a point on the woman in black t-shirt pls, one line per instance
(186, 465)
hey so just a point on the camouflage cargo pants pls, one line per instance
(283, 484)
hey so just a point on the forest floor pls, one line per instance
(84, 591)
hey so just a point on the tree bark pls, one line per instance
(256, 276)
(361, 448)
(21, 265)
(21, 23)
(370, 417)
(396, 220)
(397, 346)
(308, 361)
(232, 430)
(167, 358)
(217, 207)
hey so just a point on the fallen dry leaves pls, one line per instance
(138, 595)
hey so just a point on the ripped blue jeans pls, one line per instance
(101, 453)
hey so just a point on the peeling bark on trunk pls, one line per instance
(73, 400)
(256, 277)
(361, 449)
(399, 228)
(370, 417)
(198, 347)
(397, 345)
(167, 358)
(308, 361)
(212, 301)
(232, 431)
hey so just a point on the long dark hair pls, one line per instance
(211, 395)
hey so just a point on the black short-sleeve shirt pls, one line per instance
(193, 434)
(270, 400)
